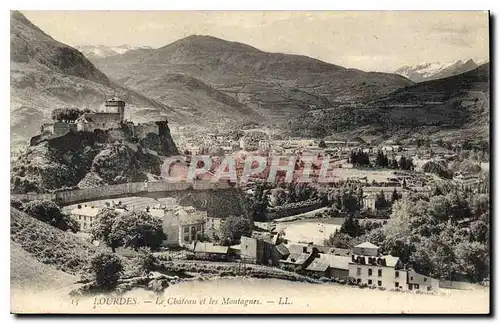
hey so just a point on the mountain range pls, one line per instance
(208, 83)
(273, 85)
(453, 107)
(436, 70)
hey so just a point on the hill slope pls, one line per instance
(49, 245)
(46, 74)
(456, 106)
(272, 84)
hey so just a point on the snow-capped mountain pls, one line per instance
(435, 70)
(100, 51)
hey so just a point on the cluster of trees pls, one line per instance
(359, 158)
(347, 200)
(48, 212)
(437, 240)
(382, 202)
(133, 229)
(445, 236)
(295, 192)
(234, 228)
(383, 161)
(351, 230)
(68, 114)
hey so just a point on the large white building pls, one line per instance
(369, 267)
(85, 215)
(182, 225)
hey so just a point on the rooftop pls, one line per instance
(86, 211)
(210, 248)
(318, 265)
(336, 261)
(367, 245)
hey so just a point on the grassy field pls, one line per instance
(314, 230)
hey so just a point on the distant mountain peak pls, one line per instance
(436, 70)
(101, 51)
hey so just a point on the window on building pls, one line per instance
(416, 286)
(379, 283)
(198, 237)
(358, 272)
(186, 229)
(369, 282)
(84, 218)
(380, 272)
(198, 228)
(428, 288)
(369, 272)
(425, 279)
(186, 238)
(80, 217)
(397, 274)
(411, 278)
(396, 284)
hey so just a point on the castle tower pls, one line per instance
(117, 104)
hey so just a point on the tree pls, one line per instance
(234, 228)
(473, 260)
(338, 240)
(351, 227)
(380, 201)
(16, 203)
(395, 196)
(479, 231)
(49, 212)
(137, 229)
(68, 114)
(146, 260)
(101, 230)
(107, 269)
(439, 209)
(322, 144)
(381, 160)
(394, 164)
(279, 196)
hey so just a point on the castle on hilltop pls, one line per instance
(112, 116)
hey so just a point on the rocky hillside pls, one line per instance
(274, 85)
(83, 160)
(46, 74)
(436, 70)
(456, 106)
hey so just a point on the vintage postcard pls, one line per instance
(250, 162)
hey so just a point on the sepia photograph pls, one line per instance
(250, 162)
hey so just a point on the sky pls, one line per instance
(367, 40)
